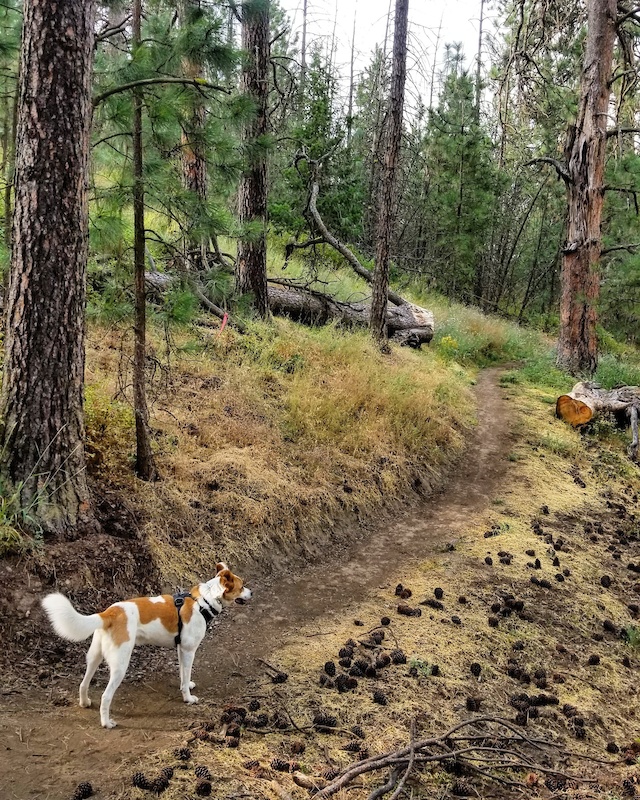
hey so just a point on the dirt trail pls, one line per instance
(48, 749)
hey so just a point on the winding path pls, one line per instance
(47, 750)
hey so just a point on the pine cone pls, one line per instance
(252, 764)
(202, 772)
(628, 789)
(279, 677)
(232, 741)
(476, 669)
(140, 781)
(330, 773)
(203, 788)
(159, 785)
(330, 668)
(297, 748)
(398, 657)
(254, 705)
(83, 790)
(353, 746)
(324, 720)
(380, 698)
(346, 652)
(345, 663)
(358, 731)
(182, 753)
(279, 764)
(167, 772)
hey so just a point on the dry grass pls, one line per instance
(268, 440)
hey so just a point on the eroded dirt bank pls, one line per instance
(49, 743)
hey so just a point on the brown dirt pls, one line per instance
(50, 743)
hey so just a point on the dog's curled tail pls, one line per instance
(67, 622)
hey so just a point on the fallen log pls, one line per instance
(408, 324)
(587, 399)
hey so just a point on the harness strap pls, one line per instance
(208, 613)
(178, 600)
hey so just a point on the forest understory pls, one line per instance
(522, 616)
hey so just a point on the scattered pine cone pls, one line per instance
(82, 791)
(473, 703)
(353, 746)
(398, 657)
(476, 669)
(324, 720)
(612, 747)
(382, 661)
(279, 764)
(358, 731)
(252, 764)
(380, 698)
(330, 668)
(297, 748)
(159, 785)
(345, 663)
(182, 753)
(203, 788)
(378, 636)
(385, 621)
(439, 593)
(140, 781)
(167, 772)
(203, 772)
(435, 670)
(461, 789)
(346, 652)
(330, 773)
(254, 705)
(593, 660)
(279, 677)
(628, 788)
(364, 753)
(232, 741)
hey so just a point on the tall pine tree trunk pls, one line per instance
(391, 152)
(41, 405)
(145, 463)
(194, 162)
(251, 269)
(585, 158)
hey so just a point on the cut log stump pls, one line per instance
(587, 399)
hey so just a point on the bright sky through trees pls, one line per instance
(431, 23)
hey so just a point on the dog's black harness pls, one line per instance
(208, 611)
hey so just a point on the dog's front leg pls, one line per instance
(185, 661)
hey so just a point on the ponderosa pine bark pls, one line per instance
(585, 162)
(251, 267)
(41, 405)
(386, 201)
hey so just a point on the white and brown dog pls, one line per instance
(166, 621)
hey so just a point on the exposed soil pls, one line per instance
(50, 743)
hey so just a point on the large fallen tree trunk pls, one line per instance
(407, 324)
(586, 400)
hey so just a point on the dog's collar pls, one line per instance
(209, 610)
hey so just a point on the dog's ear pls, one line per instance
(220, 566)
(226, 579)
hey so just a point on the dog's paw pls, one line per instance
(109, 724)
(191, 700)
(192, 685)
(85, 703)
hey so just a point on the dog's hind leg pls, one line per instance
(185, 659)
(117, 657)
(94, 657)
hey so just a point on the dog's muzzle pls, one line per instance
(246, 595)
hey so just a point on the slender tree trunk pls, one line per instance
(251, 269)
(194, 162)
(42, 435)
(387, 200)
(478, 86)
(10, 156)
(585, 157)
(145, 463)
(303, 50)
(351, 81)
